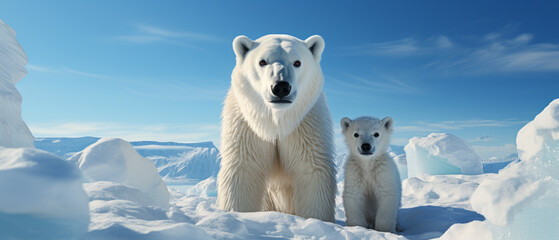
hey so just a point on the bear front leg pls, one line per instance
(354, 202)
(240, 189)
(246, 160)
(314, 194)
(387, 212)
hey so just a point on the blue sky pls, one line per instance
(159, 70)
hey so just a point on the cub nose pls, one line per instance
(366, 147)
(281, 89)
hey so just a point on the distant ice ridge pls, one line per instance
(440, 154)
(13, 131)
(521, 201)
(41, 196)
(175, 162)
(182, 161)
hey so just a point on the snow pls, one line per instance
(182, 161)
(41, 196)
(115, 160)
(441, 153)
(13, 131)
(176, 162)
(521, 201)
(112, 189)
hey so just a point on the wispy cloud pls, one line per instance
(457, 125)
(373, 84)
(499, 52)
(67, 70)
(130, 132)
(148, 34)
(404, 47)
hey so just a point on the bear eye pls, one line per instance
(356, 135)
(262, 63)
(376, 134)
(297, 63)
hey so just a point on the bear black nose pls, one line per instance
(366, 147)
(281, 89)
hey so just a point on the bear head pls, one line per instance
(367, 137)
(277, 80)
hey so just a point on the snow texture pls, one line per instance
(41, 196)
(521, 201)
(439, 154)
(13, 131)
(115, 160)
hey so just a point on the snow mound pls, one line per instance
(521, 201)
(115, 160)
(540, 137)
(41, 196)
(13, 131)
(440, 154)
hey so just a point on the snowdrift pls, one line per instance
(41, 196)
(13, 131)
(521, 201)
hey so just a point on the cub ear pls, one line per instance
(345, 123)
(241, 45)
(388, 123)
(315, 44)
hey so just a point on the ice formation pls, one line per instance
(13, 131)
(41, 196)
(115, 160)
(439, 154)
(521, 201)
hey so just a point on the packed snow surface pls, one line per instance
(441, 153)
(115, 160)
(41, 196)
(13, 131)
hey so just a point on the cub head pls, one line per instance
(366, 136)
(278, 71)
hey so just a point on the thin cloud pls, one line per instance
(383, 83)
(457, 125)
(148, 34)
(130, 132)
(405, 47)
(496, 52)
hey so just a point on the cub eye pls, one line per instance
(356, 135)
(297, 63)
(263, 63)
(376, 134)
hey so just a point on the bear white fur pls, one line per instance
(372, 187)
(277, 155)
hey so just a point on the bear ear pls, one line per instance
(387, 122)
(345, 123)
(315, 44)
(241, 45)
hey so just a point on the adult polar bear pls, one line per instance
(276, 136)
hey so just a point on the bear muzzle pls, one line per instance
(280, 91)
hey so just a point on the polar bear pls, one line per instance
(276, 134)
(372, 187)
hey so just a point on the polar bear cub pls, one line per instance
(372, 189)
